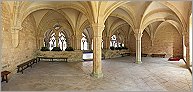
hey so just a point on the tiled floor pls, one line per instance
(120, 74)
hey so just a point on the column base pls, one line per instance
(97, 75)
(138, 62)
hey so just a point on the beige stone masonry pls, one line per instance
(113, 53)
(15, 35)
(97, 66)
(138, 47)
(73, 56)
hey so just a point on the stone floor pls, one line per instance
(120, 74)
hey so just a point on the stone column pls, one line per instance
(106, 42)
(41, 42)
(126, 42)
(69, 44)
(152, 43)
(78, 42)
(57, 38)
(72, 41)
(15, 35)
(47, 40)
(97, 66)
(187, 49)
(138, 47)
(89, 45)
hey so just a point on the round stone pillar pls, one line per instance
(89, 45)
(126, 42)
(187, 48)
(97, 66)
(138, 47)
(41, 41)
(57, 38)
(78, 42)
(106, 42)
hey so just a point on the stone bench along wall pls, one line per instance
(73, 56)
(113, 53)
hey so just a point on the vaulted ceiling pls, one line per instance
(76, 16)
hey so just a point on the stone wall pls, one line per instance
(132, 42)
(12, 56)
(146, 46)
(73, 56)
(167, 41)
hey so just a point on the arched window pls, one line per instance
(113, 42)
(52, 41)
(84, 44)
(62, 41)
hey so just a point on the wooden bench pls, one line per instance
(132, 54)
(64, 58)
(4, 76)
(144, 55)
(25, 65)
(52, 58)
(158, 55)
(125, 54)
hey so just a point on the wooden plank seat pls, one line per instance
(144, 55)
(52, 58)
(158, 55)
(64, 58)
(25, 65)
(132, 54)
(125, 54)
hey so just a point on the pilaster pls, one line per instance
(15, 35)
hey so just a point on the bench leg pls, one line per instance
(22, 70)
(31, 65)
(2, 78)
(17, 69)
(38, 59)
(6, 79)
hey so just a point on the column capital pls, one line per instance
(97, 25)
(105, 37)
(138, 36)
(78, 36)
(137, 30)
(16, 29)
(98, 29)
